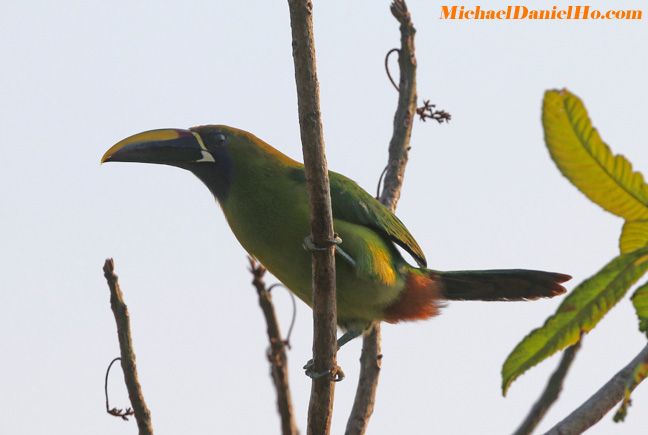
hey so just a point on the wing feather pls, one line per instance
(353, 204)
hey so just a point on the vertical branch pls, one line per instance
(322, 239)
(550, 393)
(594, 408)
(406, 109)
(120, 310)
(276, 352)
(371, 357)
(365, 397)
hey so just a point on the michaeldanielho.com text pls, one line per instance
(525, 13)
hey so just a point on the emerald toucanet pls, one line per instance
(263, 195)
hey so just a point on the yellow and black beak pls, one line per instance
(165, 146)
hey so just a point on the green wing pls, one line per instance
(353, 204)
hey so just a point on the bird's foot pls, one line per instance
(310, 245)
(335, 374)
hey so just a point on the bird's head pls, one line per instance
(211, 152)
(197, 146)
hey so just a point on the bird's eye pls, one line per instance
(219, 139)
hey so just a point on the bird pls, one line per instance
(263, 194)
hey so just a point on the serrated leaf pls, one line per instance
(640, 302)
(582, 156)
(579, 312)
(639, 373)
(634, 235)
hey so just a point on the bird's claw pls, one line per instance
(309, 244)
(336, 374)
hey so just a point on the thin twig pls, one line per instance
(323, 238)
(594, 408)
(120, 311)
(293, 317)
(371, 357)
(389, 76)
(276, 352)
(429, 111)
(380, 181)
(115, 412)
(550, 393)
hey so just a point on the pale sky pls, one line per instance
(480, 192)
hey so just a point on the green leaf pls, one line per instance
(633, 236)
(639, 373)
(583, 157)
(640, 302)
(578, 313)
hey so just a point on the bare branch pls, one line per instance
(120, 311)
(276, 352)
(550, 393)
(600, 403)
(323, 238)
(406, 109)
(365, 397)
(371, 358)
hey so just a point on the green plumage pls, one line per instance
(264, 197)
(267, 208)
(353, 204)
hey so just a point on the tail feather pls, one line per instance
(500, 285)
